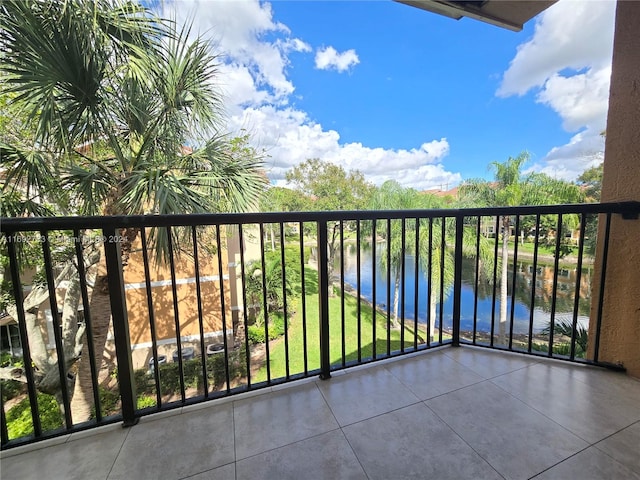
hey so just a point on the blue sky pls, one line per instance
(400, 93)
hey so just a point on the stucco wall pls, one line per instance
(620, 337)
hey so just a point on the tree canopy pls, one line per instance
(329, 186)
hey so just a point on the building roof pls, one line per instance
(510, 14)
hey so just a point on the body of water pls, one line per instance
(542, 304)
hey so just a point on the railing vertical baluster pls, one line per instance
(152, 316)
(388, 287)
(82, 276)
(403, 267)
(457, 281)
(416, 289)
(373, 289)
(245, 312)
(176, 314)
(495, 281)
(358, 290)
(576, 303)
(126, 381)
(16, 283)
(430, 283)
(343, 336)
(57, 329)
(265, 305)
(443, 247)
(303, 300)
(476, 282)
(223, 309)
(554, 296)
(513, 282)
(603, 276)
(533, 282)
(196, 271)
(284, 301)
(4, 433)
(323, 299)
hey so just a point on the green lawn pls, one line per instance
(296, 334)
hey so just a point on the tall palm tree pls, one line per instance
(436, 257)
(124, 110)
(511, 188)
(392, 196)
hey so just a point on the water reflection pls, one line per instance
(565, 295)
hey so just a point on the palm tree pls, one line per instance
(124, 110)
(392, 196)
(435, 251)
(511, 188)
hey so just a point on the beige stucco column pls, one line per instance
(620, 334)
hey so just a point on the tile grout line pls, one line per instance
(286, 445)
(569, 457)
(113, 464)
(589, 443)
(235, 452)
(354, 453)
(460, 437)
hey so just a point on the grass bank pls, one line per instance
(296, 333)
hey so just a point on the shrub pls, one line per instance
(19, 423)
(11, 389)
(216, 371)
(145, 401)
(256, 333)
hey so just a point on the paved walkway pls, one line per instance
(458, 413)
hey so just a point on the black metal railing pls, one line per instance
(244, 301)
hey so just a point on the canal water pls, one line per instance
(542, 302)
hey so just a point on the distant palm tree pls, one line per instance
(126, 120)
(511, 188)
(436, 257)
(392, 196)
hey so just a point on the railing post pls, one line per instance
(457, 281)
(113, 257)
(323, 299)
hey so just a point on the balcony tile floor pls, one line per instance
(463, 413)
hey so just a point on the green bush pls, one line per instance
(170, 378)
(144, 382)
(19, 423)
(255, 333)
(216, 372)
(11, 389)
(145, 401)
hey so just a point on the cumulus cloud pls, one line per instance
(256, 52)
(238, 30)
(289, 137)
(328, 58)
(568, 64)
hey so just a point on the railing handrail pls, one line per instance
(21, 224)
(328, 223)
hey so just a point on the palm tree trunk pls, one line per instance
(396, 298)
(503, 279)
(273, 237)
(433, 301)
(100, 308)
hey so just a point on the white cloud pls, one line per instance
(289, 138)
(580, 100)
(328, 58)
(239, 28)
(568, 64)
(569, 35)
(584, 150)
(256, 51)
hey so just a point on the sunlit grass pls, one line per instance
(277, 350)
